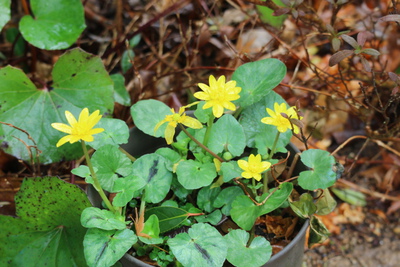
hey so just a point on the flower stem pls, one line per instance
(96, 183)
(208, 130)
(200, 144)
(271, 154)
(132, 158)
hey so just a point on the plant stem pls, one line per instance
(265, 178)
(132, 158)
(96, 184)
(200, 144)
(208, 130)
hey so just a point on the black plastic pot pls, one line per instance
(140, 144)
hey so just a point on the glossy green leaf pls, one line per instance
(115, 133)
(147, 113)
(261, 135)
(172, 157)
(244, 212)
(203, 245)
(213, 218)
(206, 198)
(55, 25)
(126, 60)
(47, 229)
(257, 79)
(84, 172)
(105, 248)
(152, 170)
(111, 163)
(350, 196)
(193, 174)
(5, 12)
(11, 35)
(221, 140)
(226, 197)
(168, 217)
(126, 188)
(80, 80)
(121, 95)
(241, 255)
(151, 227)
(305, 206)
(102, 219)
(230, 170)
(322, 174)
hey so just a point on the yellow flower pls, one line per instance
(79, 130)
(282, 122)
(253, 167)
(176, 118)
(218, 95)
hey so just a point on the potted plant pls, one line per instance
(202, 200)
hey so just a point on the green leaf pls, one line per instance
(260, 135)
(305, 206)
(230, 170)
(151, 227)
(126, 59)
(5, 12)
(240, 254)
(193, 174)
(325, 203)
(126, 188)
(168, 217)
(350, 196)
(203, 245)
(321, 175)
(152, 170)
(121, 95)
(47, 230)
(147, 113)
(80, 80)
(55, 26)
(11, 35)
(115, 132)
(244, 212)
(105, 248)
(102, 219)
(111, 163)
(266, 15)
(222, 140)
(257, 79)
(226, 197)
(206, 198)
(172, 157)
(213, 218)
(84, 172)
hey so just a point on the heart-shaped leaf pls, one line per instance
(55, 26)
(104, 248)
(102, 219)
(48, 211)
(126, 188)
(116, 132)
(221, 140)
(203, 245)
(80, 80)
(152, 170)
(242, 255)
(168, 217)
(226, 197)
(121, 95)
(305, 206)
(244, 212)
(322, 174)
(110, 163)
(206, 198)
(257, 79)
(193, 174)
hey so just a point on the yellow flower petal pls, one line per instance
(169, 133)
(253, 167)
(79, 130)
(192, 123)
(282, 123)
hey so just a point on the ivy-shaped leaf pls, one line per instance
(55, 26)
(80, 80)
(203, 245)
(322, 174)
(48, 211)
